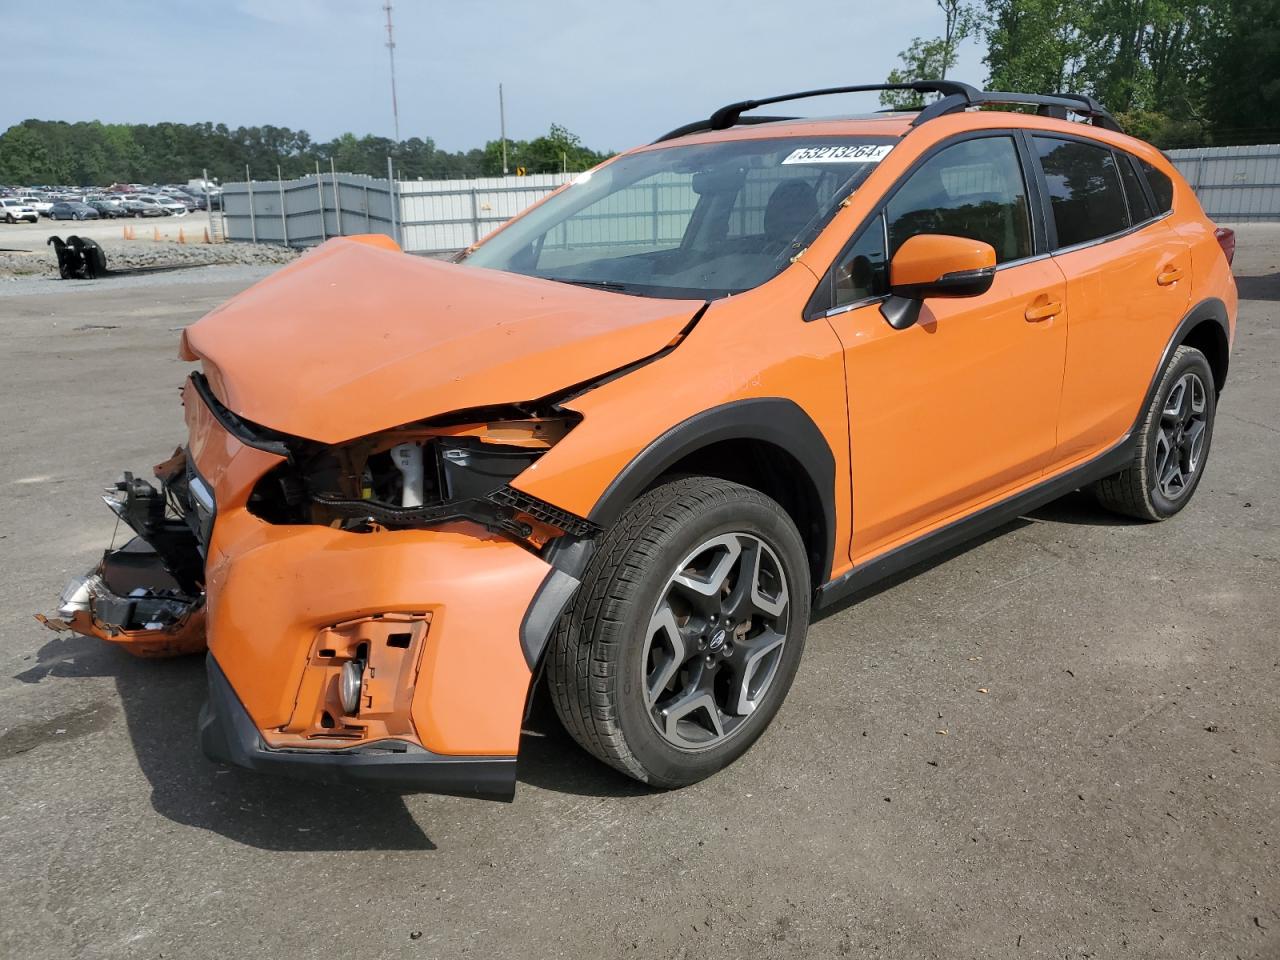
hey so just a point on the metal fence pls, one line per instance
(307, 211)
(440, 215)
(430, 216)
(1233, 183)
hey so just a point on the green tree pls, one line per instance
(1242, 72)
(930, 59)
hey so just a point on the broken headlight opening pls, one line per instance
(423, 475)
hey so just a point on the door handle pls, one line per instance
(1043, 311)
(1169, 276)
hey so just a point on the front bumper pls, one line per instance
(229, 735)
(445, 624)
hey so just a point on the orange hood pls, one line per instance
(353, 338)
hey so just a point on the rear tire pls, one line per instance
(686, 633)
(1173, 443)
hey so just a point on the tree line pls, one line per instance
(1176, 72)
(1179, 73)
(93, 153)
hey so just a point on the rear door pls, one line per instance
(1128, 279)
(962, 407)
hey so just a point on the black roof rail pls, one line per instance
(732, 114)
(1051, 105)
(954, 97)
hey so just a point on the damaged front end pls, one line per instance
(373, 610)
(147, 596)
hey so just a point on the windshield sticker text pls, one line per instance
(846, 153)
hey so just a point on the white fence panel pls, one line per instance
(304, 212)
(434, 216)
(438, 215)
(1233, 183)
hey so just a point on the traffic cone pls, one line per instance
(157, 234)
(181, 236)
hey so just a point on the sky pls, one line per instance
(614, 73)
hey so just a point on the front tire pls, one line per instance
(1173, 444)
(686, 633)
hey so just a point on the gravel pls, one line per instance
(128, 256)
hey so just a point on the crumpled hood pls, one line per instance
(354, 337)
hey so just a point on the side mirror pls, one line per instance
(935, 265)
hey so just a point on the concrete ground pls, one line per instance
(1063, 741)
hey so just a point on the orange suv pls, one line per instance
(631, 443)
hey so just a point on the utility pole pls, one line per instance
(502, 123)
(391, 50)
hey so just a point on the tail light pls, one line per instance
(1226, 238)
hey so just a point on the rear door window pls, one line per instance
(1084, 190)
(971, 189)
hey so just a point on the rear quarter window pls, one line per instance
(1139, 205)
(1161, 187)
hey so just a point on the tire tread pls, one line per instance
(584, 658)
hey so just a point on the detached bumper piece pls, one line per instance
(131, 600)
(228, 735)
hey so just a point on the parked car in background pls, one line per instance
(13, 209)
(72, 210)
(39, 204)
(109, 209)
(170, 205)
(138, 205)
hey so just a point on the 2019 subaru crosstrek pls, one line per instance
(631, 443)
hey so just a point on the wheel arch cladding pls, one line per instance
(1205, 328)
(768, 443)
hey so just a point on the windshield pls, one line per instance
(702, 220)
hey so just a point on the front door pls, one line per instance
(961, 408)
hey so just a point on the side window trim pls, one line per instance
(1047, 208)
(1044, 232)
(820, 302)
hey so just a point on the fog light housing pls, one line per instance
(350, 682)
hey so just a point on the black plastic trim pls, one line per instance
(860, 578)
(229, 735)
(1212, 309)
(773, 420)
(242, 430)
(554, 594)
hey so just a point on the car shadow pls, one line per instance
(1259, 288)
(551, 760)
(161, 700)
(1078, 507)
(1082, 508)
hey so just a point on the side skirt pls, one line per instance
(860, 578)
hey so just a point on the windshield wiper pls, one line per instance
(601, 284)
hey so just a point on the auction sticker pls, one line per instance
(841, 153)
